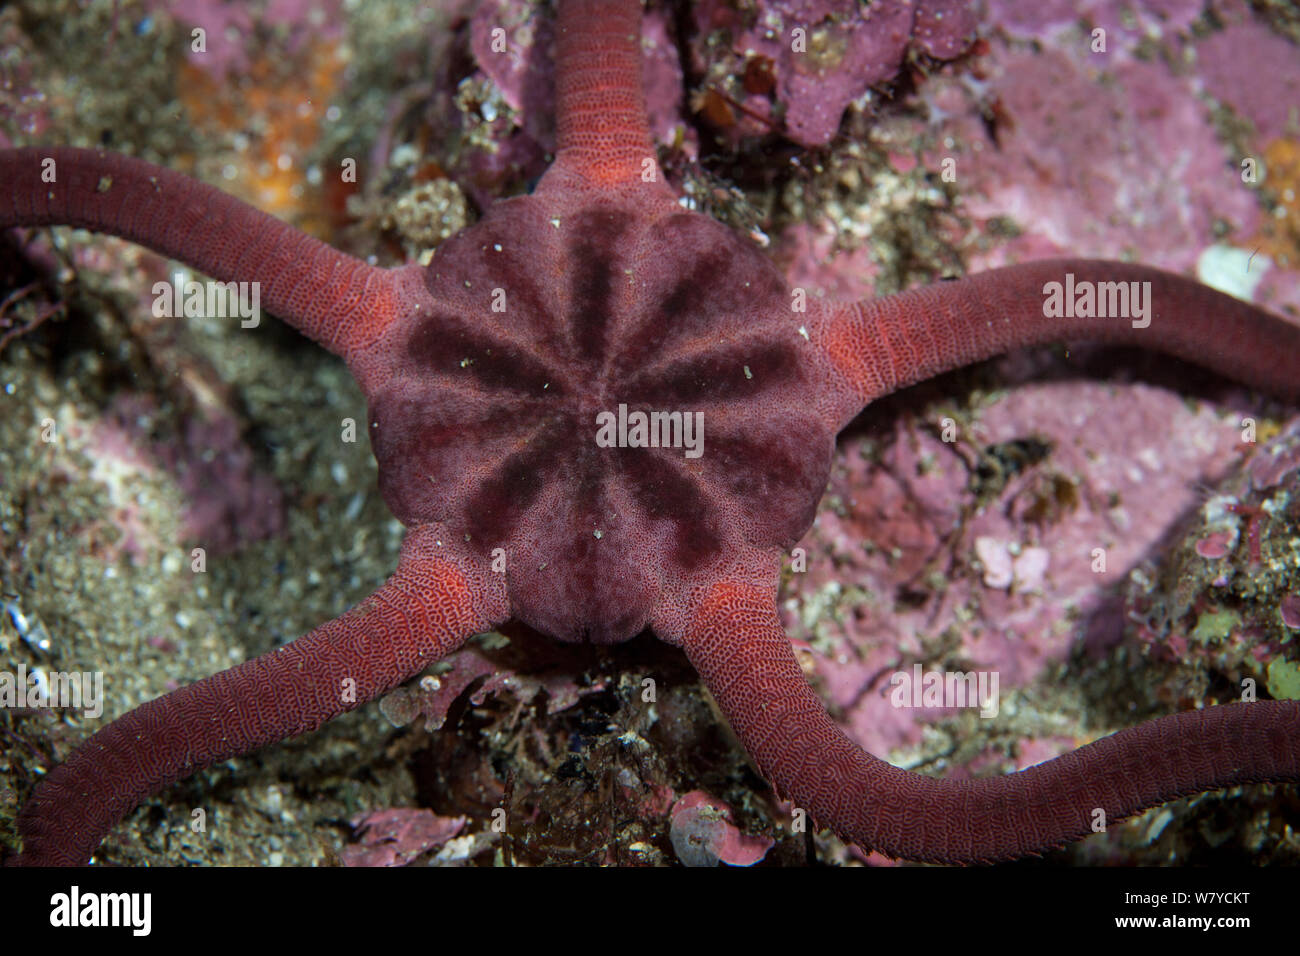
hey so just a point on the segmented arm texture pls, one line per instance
(600, 110)
(333, 298)
(881, 345)
(424, 611)
(741, 651)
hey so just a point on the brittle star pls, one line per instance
(490, 425)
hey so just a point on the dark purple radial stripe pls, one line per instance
(660, 484)
(718, 375)
(596, 269)
(692, 304)
(457, 429)
(458, 348)
(689, 309)
(495, 513)
(687, 303)
(691, 314)
(774, 473)
(513, 269)
(699, 283)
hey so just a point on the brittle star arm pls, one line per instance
(602, 135)
(424, 611)
(335, 299)
(878, 346)
(736, 642)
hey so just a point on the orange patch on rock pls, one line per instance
(279, 105)
(1279, 237)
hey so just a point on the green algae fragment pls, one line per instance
(1214, 626)
(1284, 680)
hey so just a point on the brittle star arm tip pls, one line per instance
(424, 611)
(737, 643)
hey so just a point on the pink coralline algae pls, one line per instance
(1023, 570)
(228, 29)
(1015, 584)
(1051, 149)
(1253, 70)
(703, 835)
(1226, 601)
(1030, 752)
(22, 106)
(827, 53)
(396, 837)
(1045, 19)
(1083, 166)
(512, 43)
(1290, 609)
(1124, 151)
(1214, 545)
(228, 499)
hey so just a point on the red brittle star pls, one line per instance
(487, 424)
